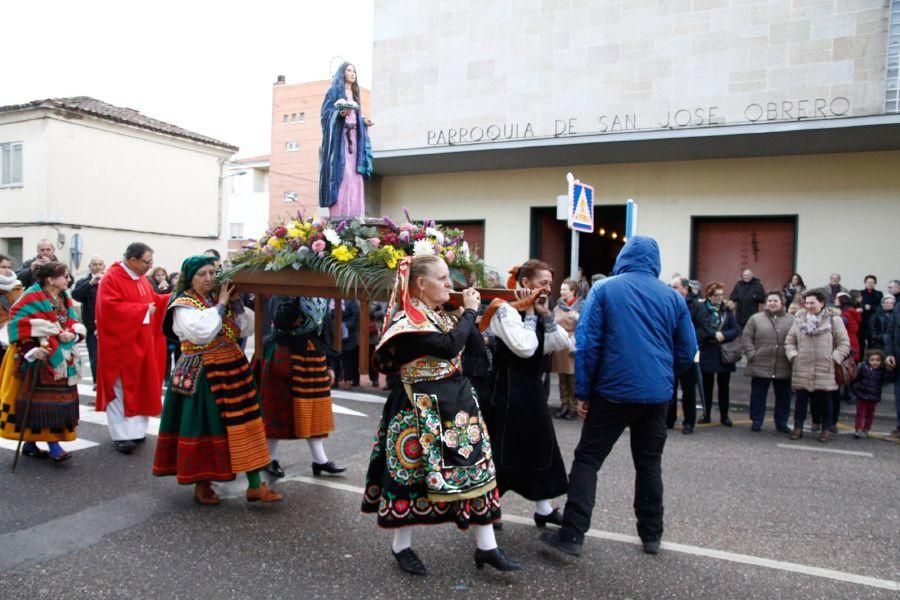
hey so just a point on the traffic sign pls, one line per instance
(581, 207)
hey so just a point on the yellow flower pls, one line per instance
(343, 253)
(294, 232)
(395, 257)
(276, 243)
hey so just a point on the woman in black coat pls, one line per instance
(715, 325)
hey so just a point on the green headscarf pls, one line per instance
(189, 268)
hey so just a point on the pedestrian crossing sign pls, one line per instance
(581, 207)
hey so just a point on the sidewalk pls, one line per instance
(740, 398)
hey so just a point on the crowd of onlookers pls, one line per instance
(798, 340)
(792, 338)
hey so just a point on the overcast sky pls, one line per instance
(202, 65)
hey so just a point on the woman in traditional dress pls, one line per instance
(431, 461)
(346, 149)
(211, 426)
(526, 453)
(42, 367)
(296, 381)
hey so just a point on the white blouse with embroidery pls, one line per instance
(519, 335)
(200, 327)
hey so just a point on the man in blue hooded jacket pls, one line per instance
(633, 335)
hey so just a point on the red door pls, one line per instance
(725, 247)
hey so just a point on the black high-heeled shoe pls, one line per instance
(554, 518)
(329, 467)
(497, 559)
(409, 562)
(274, 469)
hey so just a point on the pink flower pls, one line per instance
(280, 232)
(318, 246)
(374, 242)
(450, 256)
(408, 227)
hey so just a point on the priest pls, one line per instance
(131, 350)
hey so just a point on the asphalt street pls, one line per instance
(748, 515)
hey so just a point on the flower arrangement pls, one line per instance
(357, 253)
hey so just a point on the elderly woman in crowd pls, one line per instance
(880, 322)
(211, 426)
(565, 313)
(763, 344)
(42, 357)
(817, 340)
(716, 325)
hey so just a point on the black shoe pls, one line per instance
(726, 422)
(554, 518)
(498, 525)
(756, 428)
(34, 452)
(329, 467)
(125, 446)
(650, 546)
(784, 429)
(562, 413)
(704, 420)
(274, 469)
(497, 558)
(551, 538)
(687, 429)
(409, 562)
(140, 441)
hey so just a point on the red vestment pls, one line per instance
(126, 346)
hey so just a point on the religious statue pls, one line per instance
(346, 150)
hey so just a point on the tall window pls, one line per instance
(303, 117)
(292, 146)
(293, 117)
(892, 73)
(11, 164)
(285, 119)
(236, 231)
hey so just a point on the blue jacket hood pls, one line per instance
(640, 254)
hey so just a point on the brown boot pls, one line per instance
(823, 437)
(797, 433)
(204, 494)
(263, 494)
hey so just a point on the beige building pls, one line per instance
(751, 133)
(110, 176)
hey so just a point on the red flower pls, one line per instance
(401, 506)
(419, 236)
(391, 239)
(280, 231)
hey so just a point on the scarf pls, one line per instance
(818, 324)
(8, 284)
(715, 314)
(34, 316)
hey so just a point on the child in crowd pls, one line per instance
(872, 376)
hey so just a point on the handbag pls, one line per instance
(846, 371)
(731, 351)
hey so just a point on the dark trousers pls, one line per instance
(836, 397)
(91, 342)
(821, 407)
(759, 391)
(604, 425)
(722, 381)
(688, 383)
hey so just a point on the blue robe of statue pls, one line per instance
(331, 170)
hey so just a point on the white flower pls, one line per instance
(332, 236)
(434, 233)
(423, 248)
(464, 248)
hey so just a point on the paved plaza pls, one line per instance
(748, 515)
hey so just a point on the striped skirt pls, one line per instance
(296, 393)
(218, 430)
